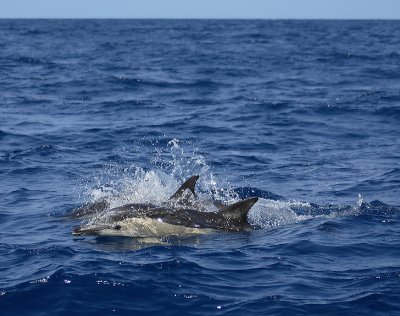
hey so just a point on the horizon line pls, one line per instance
(198, 18)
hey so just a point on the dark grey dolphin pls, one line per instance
(182, 196)
(181, 215)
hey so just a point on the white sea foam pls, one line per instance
(270, 213)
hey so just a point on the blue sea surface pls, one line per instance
(304, 115)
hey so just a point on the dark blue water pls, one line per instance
(303, 114)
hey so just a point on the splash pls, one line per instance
(123, 184)
(271, 213)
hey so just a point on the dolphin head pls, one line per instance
(97, 230)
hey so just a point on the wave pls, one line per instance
(389, 111)
(136, 82)
(4, 134)
(33, 61)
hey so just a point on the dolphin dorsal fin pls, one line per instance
(189, 184)
(238, 211)
(219, 204)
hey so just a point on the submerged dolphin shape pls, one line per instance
(181, 215)
(90, 209)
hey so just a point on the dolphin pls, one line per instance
(181, 215)
(101, 205)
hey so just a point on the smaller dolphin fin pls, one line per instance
(238, 211)
(189, 184)
(219, 204)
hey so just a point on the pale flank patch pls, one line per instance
(149, 228)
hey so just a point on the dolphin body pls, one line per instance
(181, 215)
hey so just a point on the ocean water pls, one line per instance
(302, 114)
